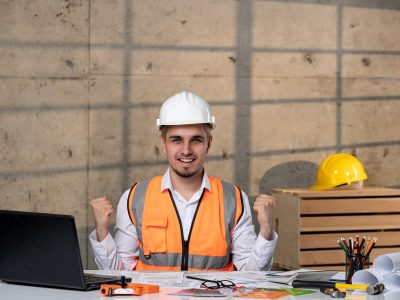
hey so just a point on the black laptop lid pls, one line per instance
(40, 249)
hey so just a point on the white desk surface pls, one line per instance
(21, 292)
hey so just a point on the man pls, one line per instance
(185, 219)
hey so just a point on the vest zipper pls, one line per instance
(185, 256)
(185, 244)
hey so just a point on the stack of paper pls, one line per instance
(302, 274)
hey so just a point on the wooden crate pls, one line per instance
(309, 223)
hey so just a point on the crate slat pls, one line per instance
(366, 191)
(339, 268)
(342, 206)
(331, 257)
(329, 240)
(359, 222)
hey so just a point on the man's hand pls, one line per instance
(102, 210)
(264, 207)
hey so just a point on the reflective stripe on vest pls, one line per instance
(165, 221)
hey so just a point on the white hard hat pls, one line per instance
(185, 108)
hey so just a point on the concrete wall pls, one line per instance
(81, 83)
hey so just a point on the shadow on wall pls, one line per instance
(294, 174)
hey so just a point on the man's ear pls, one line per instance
(162, 144)
(209, 142)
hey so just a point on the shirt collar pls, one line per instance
(167, 184)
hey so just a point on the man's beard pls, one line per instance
(185, 172)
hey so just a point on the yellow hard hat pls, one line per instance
(339, 169)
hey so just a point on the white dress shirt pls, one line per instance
(249, 252)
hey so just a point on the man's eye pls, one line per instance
(175, 140)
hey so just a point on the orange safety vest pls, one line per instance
(160, 233)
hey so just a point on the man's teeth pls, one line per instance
(185, 160)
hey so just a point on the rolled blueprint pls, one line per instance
(367, 276)
(389, 295)
(386, 270)
(387, 263)
(392, 281)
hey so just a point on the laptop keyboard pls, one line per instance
(92, 278)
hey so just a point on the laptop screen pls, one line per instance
(40, 249)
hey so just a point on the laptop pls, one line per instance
(42, 249)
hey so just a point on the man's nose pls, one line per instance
(186, 150)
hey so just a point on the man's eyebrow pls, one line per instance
(180, 137)
(175, 137)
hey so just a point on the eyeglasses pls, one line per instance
(214, 284)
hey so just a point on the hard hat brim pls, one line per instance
(159, 125)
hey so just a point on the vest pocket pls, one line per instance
(154, 235)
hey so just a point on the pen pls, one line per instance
(350, 246)
(372, 244)
(343, 248)
(360, 249)
(352, 249)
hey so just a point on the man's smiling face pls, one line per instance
(186, 148)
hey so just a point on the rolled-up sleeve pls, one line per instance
(122, 251)
(251, 252)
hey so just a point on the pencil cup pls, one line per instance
(355, 263)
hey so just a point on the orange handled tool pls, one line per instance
(135, 289)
